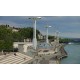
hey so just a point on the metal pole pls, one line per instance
(58, 37)
(47, 41)
(34, 35)
(34, 31)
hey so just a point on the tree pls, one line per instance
(16, 36)
(2, 45)
(28, 33)
(8, 45)
(5, 38)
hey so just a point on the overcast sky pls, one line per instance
(68, 26)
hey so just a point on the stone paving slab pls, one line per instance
(12, 59)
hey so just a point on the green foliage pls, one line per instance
(16, 36)
(8, 36)
(2, 45)
(65, 40)
(5, 38)
(8, 45)
(51, 37)
(26, 33)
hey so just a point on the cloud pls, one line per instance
(70, 35)
(68, 25)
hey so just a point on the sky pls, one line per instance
(68, 26)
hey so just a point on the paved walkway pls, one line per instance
(19, 58)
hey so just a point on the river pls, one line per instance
(73, 51)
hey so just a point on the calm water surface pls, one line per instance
(73, 51)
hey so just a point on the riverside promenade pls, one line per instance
(50, 58)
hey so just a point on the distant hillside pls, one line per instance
(75, 39)
(67, 40)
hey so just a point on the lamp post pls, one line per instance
(56, 40)
(57, 33)
(34, 31)
(47, 41)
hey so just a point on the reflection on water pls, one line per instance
(73, 51)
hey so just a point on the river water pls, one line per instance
(73, 51)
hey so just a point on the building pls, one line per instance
(15, 30)
(40, 36)
(22, 46)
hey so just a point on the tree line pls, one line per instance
(65, 40)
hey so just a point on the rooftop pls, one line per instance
(14, 58)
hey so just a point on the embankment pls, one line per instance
(62, 52)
